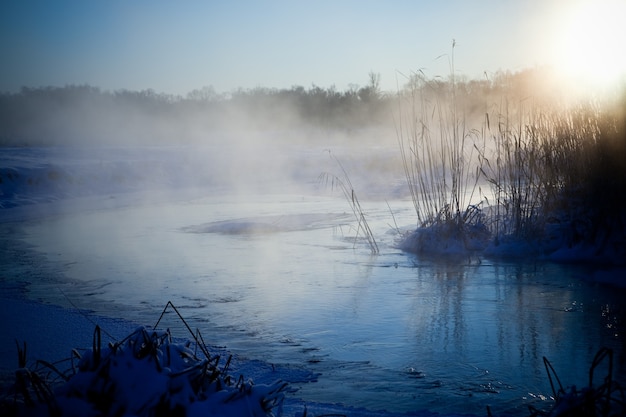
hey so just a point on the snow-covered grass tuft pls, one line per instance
(146, 374)
(450, 237)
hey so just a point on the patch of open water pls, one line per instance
(278, 278)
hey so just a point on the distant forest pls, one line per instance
(83, 114)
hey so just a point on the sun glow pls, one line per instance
(589, 52)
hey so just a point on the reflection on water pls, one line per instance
(385, 332)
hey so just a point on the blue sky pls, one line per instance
(175, 47)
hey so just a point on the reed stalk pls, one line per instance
(347, 189)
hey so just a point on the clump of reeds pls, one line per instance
(145, 374)
(599, 183)
(557, 167)
(542, 171)
(438, 152)
(513, 170)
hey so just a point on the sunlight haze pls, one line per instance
(366, 208)
(177, 47)
(589, 43)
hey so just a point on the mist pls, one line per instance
(264, 140)
(366, 237)
(142, 141)
(244, 140)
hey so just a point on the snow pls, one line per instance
(555, 244)
(139, 379)
(148, 371)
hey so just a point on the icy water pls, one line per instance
(279, 278)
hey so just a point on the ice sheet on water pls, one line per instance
(269, 224)
(140, 382)
(38, 175)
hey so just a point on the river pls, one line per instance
(280, 278)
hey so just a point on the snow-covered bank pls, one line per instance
(606, 253)
(148, 372)
(140, 384)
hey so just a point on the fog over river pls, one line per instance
(272, 270)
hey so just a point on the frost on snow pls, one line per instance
(146, 374)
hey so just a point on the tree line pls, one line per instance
(82, 114)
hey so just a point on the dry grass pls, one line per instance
(529, 166)
(344, 184)
(147, 373)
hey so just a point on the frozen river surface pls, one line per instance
(282, 281)
(277, 277)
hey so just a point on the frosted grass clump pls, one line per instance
(147, 374)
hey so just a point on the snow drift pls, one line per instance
(148, 373)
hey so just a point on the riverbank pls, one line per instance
(50, 333)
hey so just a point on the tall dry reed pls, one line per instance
(530, 167)
(438, 154)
